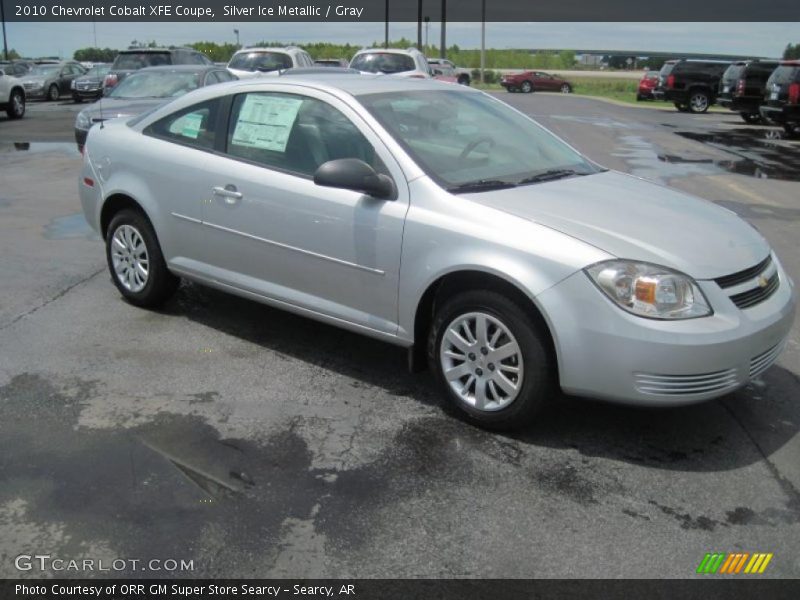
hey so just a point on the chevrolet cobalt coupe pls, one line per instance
(438, 218)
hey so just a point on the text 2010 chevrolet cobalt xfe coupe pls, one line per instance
(438, 218)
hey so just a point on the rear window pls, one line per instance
(785, 74)
(759, 68)
(666, 69)
(132, 61)
(383, 62)
(261, 61)
(733, 72)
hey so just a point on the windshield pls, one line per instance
(461, 139)
(97, 71)
(45, 70)
(383, 62)
(156, 84)
(133, 61)
(261, 61)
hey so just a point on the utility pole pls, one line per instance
(5, 39)
(386, 27)
(427, 29)
(236, 31)
(443, 47)
(419, 24)
(483, 38)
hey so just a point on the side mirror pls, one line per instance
(354, 174)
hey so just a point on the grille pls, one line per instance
(742, 276)
(758, 294)
(753, 285)
(676, 385)
(762, 362)
(88, 86)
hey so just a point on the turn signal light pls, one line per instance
(671, 81)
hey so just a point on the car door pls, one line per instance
(274, 232)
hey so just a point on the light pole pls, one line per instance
(443, 47)
(238, 45)
(483, 38)
(386, 26)
(5, 39)
(419, 24)
(427, 29)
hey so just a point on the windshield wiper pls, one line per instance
(550, 175)
(481, 185)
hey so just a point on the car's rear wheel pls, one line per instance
(526, 87)
(53, 93)
(463, 80)
(681, 107)
(16, 105)
(751, 118)
(491, 359)
(699, 101)
(566, 88)
(135, 260)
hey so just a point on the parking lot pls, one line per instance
(260, 444)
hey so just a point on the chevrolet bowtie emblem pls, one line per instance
(762, 282)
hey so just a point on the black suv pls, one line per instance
(782, 96)
(742, 87)
(690, 84)
(133, 59)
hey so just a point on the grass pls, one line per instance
(622, 90)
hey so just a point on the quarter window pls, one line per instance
(193, 126)
(294, 133)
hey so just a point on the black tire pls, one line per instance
(53, 93)
(566, 89)
(751, 118)
(526, 87)
(699, 101)
(538, 364)
(16, 105)
(790, 128)
(160, 283)
(464, 80)
(77, 99)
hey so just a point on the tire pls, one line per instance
(699, 101)
(77, 99)
(681, 107)
(566, 89)
(790, 128)
(639, 97)
(16, 105)
(464, 80)
(53, 93)
(526, 87)
(751, 118)
(514, 402)
(131, 229)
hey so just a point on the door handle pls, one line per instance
(229, 193)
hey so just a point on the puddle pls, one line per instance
(69, 148)
(645, 161)
(71, 227)
(761, 153)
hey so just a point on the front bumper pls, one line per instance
(35, 93)
(605, 352)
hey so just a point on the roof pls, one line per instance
(181, 68)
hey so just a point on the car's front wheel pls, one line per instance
(16, 105)
(491, 359)
(566, 88)
(135, 260)
(53, 93)
(526, 87)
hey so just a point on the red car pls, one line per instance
(529, 81)
(647, 84)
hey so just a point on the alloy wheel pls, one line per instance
(699, 102)
(130, 259)
(18, 105)
(481, 361)
(565, 89)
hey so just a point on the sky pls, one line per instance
(750, 39)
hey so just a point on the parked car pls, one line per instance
(444, 73)
(145, 90)
(89, 86)
(131, 60)
(12, 95)
(691, 85)
(399, 62)
(50, 81)
(16, 68)
(782, 99)
(438, 218)
(743, 86)
(462, 75)
(252, 62)
(535, 81)
(332, 62)
(647, 84)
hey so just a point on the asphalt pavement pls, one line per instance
(256, 443)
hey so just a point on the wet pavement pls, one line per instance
(259, 443)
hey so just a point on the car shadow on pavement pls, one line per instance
(742, 428)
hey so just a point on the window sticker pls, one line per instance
(188, 125)
(265, 122)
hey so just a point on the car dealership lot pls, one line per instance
(258, 443)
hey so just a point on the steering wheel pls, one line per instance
(474, 144)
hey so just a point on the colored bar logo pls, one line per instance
(722, 563)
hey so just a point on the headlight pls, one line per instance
(83, 121)
(72, 85)
(650, 290)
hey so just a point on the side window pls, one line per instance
(294, 133)
(224, 76)
(193, 126)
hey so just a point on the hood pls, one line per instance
(632, 218)
(110, 108)
(92, 78)
(36, 78)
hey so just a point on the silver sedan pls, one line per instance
(440, 219)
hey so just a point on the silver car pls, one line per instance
(437, 218)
